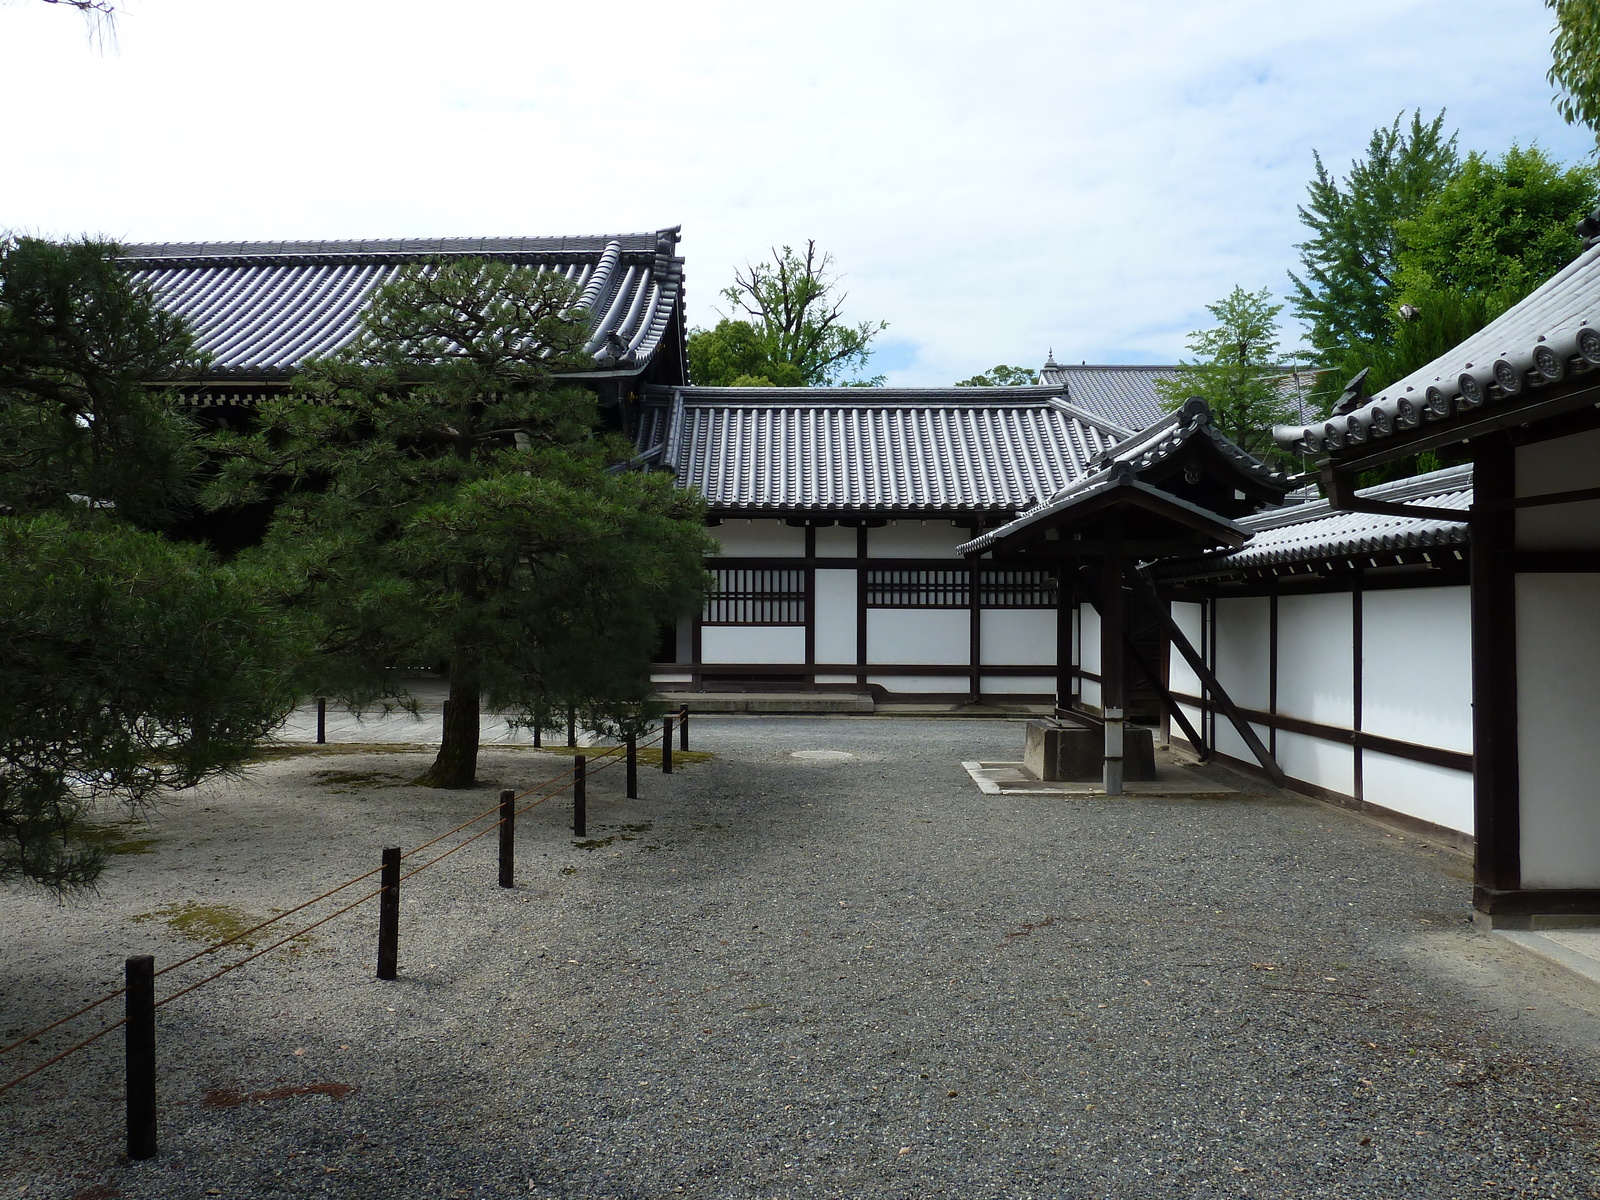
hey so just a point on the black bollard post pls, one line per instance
(666, 745)
(580, 796)
(572, 727)
(389, 916)
(140, 1039)
(508, 837)
(683, 727)
(538, 734)
(322, 720)
(633, 766)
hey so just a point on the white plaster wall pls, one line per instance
(1416, 668)
(836, 541)
(1327, 764)
(1180, 676)
(1006, 685)
(1316, 654)
(759, 539)
(919, 635)
(672, 679)
(1193, 714)
(1089, 640)
(1558, 701)
(1021, 637)
(753, 644)
(922, 683)
(916, 539)
(1089, 692)
(1229, 741)
(1438, 794)
(1559, 465)
(835, 616)
(1244, 651)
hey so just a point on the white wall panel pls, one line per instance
(1326, 764)
(916, 539)
(1559, 465)
(1315, 659)
(759, 539)
(1089, 693)
(1089, 640)
(1011, 685)
(1558, 703)
(1416, 670)
(672, 679)
(835, 617)
(922, 683)
(1429, 793)
(1244, 651)
(1193, 714)
(1181, 677)
(753, 644)
(836, 541)
(1021, 637)
(835, 678)
(1229, 742)
(918, 635)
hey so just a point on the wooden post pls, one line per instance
(666, 745)
(538, 732)
(508, 838)
(1113, 675)
(572, 727)
(140, 1038)
(389, 916)
(683, 727)
(633, 766)
(580, 796)
(322, 720)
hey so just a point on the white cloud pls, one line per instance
(993, 179)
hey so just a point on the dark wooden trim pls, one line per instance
(1041, 670)
(1577, 496)
(1332, 577)
(1496, 782)
(811, 594)
(1453, 839)
(861, 600)
(1361, 739)
(1557, 562)
(1499, 902)
(1272, 672)
(975, 627)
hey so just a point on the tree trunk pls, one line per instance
(457, 763)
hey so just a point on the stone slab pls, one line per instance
(769, 702)
(1014, 779)
(1059, 750)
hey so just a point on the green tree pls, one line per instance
(1236, 370)
(448, 500)
(1001, 376)
(128, 664)
(1348, 290)
(1575, 61)
(792, 331)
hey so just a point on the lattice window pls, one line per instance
(919, 589)
(757, 596)
(1017, 589)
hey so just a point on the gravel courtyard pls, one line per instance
(813, 977)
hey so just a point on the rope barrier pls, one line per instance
(607, 759)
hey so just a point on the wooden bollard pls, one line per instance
(140, 1039)
(633, 766)
(538, 734)
(572, 727)
(322, 720)
(389, 916)
(683, 727)
(666, 745)
(508, 837)
(580, 796)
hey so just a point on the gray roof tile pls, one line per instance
(261, 308)
(1126, 395)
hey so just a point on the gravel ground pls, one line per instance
(778, 977)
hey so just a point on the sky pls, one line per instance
(995, 180)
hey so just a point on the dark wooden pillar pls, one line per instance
(1495, 774)
(1113, 658)
(1066, 656)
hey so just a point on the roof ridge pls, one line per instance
(1416, 487)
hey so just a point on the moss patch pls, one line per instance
(354, 781)
(115, 839)
(214, 923)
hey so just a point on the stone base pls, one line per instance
(1059, 751)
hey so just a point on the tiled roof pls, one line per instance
(1314, 532)
(260, 308)
(1551, 335)
(878, 449)
(1125, 395)
(1140, 455)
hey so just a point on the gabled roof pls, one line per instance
(261, 308)
(1317, 533)
(1536, 350)
(991, 450)
(1126, 395)
(1151, 459)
